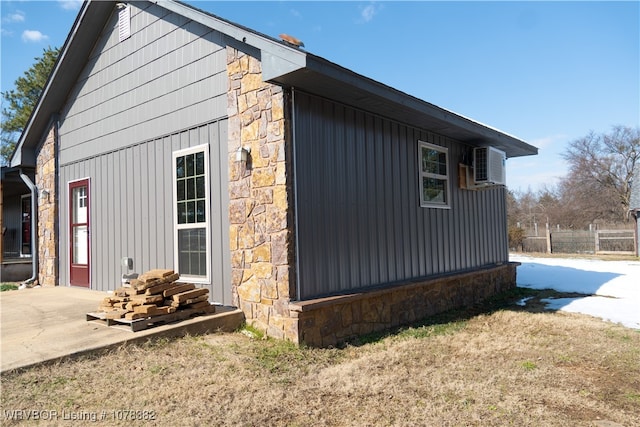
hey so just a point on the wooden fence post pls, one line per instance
(548, 239)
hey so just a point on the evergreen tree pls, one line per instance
(19, 102)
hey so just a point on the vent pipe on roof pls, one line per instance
(34, 225)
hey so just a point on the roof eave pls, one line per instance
(291, 66)
(282, 64)
(328, 79)
(277, 57)
(73, 55)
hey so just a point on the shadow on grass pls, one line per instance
(451, 321)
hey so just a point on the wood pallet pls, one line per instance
(149, 322)
(153, 298)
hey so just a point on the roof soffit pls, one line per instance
(332, 81)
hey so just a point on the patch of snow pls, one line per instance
(523, 301)
(611, 288)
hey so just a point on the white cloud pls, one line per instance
(70, 4)
(33, 36)
(17, 16)
(368, 12)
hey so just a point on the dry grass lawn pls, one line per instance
(507, 367)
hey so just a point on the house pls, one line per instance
(322, 203)
(634, 208)
(16, 225)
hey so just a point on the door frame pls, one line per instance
(70, 185)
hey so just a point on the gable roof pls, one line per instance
(281, 64)
(73, 56)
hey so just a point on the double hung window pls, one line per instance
(191, 212)
(433, 166)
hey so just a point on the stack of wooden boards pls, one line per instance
(155, 293)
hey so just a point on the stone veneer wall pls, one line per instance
(329, 321)
(259, 214)
(46, 167)
(261, 245)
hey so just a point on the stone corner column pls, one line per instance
(260, 211)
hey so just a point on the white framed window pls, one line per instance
(433, 167)
(191, 197)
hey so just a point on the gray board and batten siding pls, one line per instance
(359, 219)
(169, 75)
(136, 102)
(131, 208)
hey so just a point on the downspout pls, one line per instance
(34, 225)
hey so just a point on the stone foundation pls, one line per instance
(329, 321)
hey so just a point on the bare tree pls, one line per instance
(601, 167)
(550, 207)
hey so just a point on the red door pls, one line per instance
(79, 233)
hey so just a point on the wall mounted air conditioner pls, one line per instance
(489, 166)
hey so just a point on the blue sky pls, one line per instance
(546, 72)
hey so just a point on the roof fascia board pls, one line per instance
(17, 158)
(23, 154)
(277, 58)
(388, 93)
(274, 66)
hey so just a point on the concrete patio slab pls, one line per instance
(49, 323)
